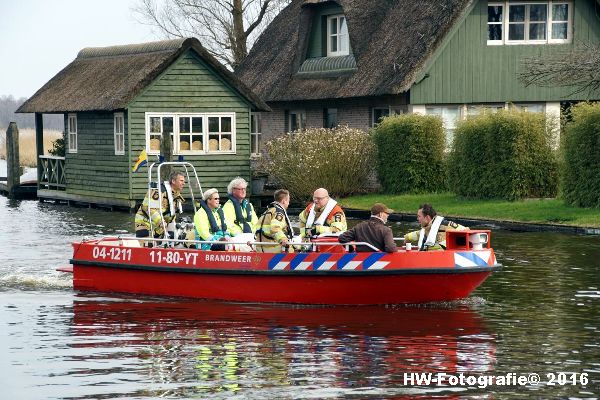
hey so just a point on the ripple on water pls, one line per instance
(539, 314)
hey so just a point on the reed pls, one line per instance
(27, 151)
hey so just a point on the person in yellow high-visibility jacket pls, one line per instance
(155, 210)
(274, 225)
(432, 235)
(239, 212)
(209, 222)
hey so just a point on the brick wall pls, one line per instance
(356, 113)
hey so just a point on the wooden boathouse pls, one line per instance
(120, 100)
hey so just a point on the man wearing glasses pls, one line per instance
(239, 213)
(322, 216)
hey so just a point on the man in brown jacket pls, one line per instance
(373, 231)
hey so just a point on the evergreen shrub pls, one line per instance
(338, 159)
(58, 147)
(410, 152)
(580, 147)
(505, 155)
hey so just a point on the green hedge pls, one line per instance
(504, 155)
(410, 154)
(581, 156)
(339, 160)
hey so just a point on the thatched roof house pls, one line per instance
(390, 40)
(108, 78)
(120, 100)
(352, 62)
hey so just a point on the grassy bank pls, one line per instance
(552, 211)
(27, 152)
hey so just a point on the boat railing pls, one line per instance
(154, 182)
(127, 240)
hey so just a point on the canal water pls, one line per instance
(539, 315)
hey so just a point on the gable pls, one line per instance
(190, 83)
(468, 70)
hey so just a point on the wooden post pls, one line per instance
(166, 150)
(13, 167)
(39, 144)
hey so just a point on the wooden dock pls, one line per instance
(24, 190)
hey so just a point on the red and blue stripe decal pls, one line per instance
(327, 261)
(474, 259)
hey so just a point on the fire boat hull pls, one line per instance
(310, 289)
(302, 278)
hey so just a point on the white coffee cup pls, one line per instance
(408, 246)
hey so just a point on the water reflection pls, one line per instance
(539, 314)
(190, 348)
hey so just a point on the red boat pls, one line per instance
(332, 276)
(327, 274)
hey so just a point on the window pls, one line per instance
(379, 113)
(297, 121)
(560, 22)
(72, 132)
(330, 119)
(450, 115)
(337, 36)
(495, 20)
(532, 107)
(220, 133)
(191, 133)
(119, 134)
(476, 109)
(255, 132)
(158, 125)
(529, 23)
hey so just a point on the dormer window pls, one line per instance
(337, 36)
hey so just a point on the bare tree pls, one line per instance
(579, 67)
(226, 28)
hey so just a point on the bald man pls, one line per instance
(322, 216)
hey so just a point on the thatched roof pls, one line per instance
(108, 78)
(391, 41)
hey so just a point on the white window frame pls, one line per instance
(119, 130)
(473, 109)
(72, 133)
(255, 133)
(205, 134)
(501, 23)
(373, 121)
(301, 118)
(460, 116)
(527, 106)
(341, 37)
(549, 22)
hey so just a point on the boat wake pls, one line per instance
(34, 282)
(454, 304)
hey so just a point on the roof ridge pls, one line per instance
(130, 49)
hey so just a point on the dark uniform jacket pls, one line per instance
(373, 232)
